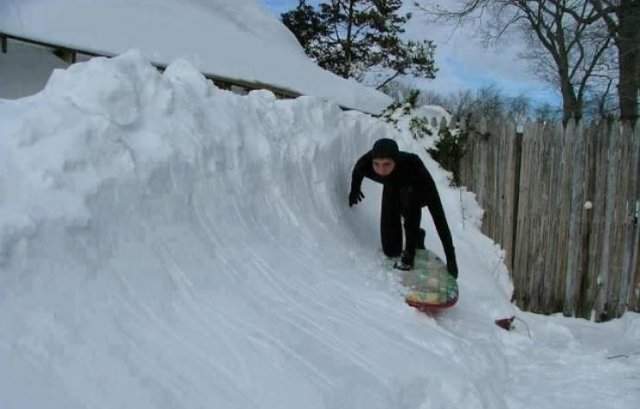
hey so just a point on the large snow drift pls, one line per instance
(237, 39)
(166, 244)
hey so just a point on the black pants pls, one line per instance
(401, 206)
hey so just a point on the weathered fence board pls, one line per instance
(634, 245)
(564, 203)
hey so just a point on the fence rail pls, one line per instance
(564, 202)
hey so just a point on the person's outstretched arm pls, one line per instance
(439, 219)
(360, 170)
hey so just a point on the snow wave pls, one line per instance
(168, 244)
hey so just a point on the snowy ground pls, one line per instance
(166, 244)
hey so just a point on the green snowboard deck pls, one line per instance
(430, 286)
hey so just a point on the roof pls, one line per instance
(236, 39)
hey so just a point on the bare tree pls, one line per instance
(546, 113)
(622, 21)
(602, 104)
(566, 50)
(486, 102)
(489, 102)
(519, 107)
(427, 97)
(461, 103)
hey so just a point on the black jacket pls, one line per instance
(410, 172)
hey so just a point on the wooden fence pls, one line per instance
(564, 202)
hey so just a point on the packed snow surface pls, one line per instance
(236, 39)
(167, 244)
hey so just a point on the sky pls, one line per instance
(168, 244)
(464, 63)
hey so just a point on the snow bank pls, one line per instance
(167, 244)
(237, 39)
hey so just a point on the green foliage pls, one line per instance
(349, 37)
(306, 25)
(419, 127)
(392, 113)
(450, 147)
(412, 99)
(448, 151)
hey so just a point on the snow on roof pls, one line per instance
(238, 39)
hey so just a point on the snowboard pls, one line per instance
(430, 286)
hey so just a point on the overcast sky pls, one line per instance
(462, 60)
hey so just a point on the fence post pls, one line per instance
(517, 154)
(630, 263)
(585, 296)
(573, 273)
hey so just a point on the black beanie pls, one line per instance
(385, 148)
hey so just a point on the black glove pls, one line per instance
(355, 197)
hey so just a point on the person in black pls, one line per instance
(407, 188)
